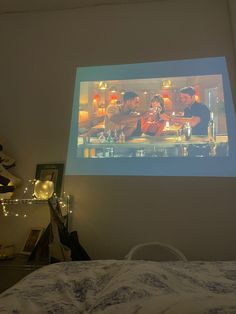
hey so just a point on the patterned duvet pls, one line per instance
(137, 287)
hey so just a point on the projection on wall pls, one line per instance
(171, 118)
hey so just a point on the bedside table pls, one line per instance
(12, 270)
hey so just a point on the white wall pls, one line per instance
(232, 14)
(39, 55)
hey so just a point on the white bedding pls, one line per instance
(137, 287)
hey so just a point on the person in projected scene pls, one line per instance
(153, 122)
(196, 113)
(125, 117)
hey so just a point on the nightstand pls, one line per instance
(12, 270)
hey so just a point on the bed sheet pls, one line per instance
(122, 286)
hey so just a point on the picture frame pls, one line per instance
(32, 239)
(51, 172)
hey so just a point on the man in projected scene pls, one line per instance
(124, 117)
(196, 113)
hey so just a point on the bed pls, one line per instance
(125, 286)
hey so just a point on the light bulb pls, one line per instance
(43, 190)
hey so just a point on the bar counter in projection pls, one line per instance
(156, 146)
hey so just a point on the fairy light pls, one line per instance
(30, 199)
(28, 190)
(5, 212)
(64, 202)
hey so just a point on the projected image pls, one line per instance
(156, 117)
(164, 118)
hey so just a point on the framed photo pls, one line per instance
(51, 172)
(32, 239)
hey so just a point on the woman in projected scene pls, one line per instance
(154, 121)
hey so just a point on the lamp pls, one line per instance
(102, 85)
(166, 83)
(43, 190)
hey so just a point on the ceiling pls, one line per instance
(18, 6)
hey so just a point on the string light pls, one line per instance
(29, 189)
(5, 212)
(30, 199)
(64, 202)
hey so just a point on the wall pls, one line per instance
(39, 56)
(232, 14)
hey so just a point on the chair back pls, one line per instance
(155, 251)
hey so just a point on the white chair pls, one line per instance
(155, 251)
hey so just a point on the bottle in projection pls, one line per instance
(109, 137)
(211, 128)
(116, 137)
(122, 137)
(187, 131)
(102, 138)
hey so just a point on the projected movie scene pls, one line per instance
(152, 117)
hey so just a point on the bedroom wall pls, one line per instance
(232, 14)
(39, 55)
